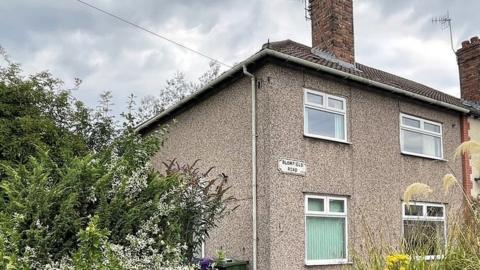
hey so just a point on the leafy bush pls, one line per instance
(45, 206)
(77, 190)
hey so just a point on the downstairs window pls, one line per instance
(424, 229)
(325, 230)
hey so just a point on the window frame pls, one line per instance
(326, 213)
(325, 108)
(425, 217)
(422, 131)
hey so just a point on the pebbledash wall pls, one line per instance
(369, 170)
(216, 131)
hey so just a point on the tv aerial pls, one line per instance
(446, 23)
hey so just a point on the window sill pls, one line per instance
(326, 138)
(430, 257)
(332, 262)
(422, 156)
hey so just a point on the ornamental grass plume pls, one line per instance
(416, 189)
(475, 163)
(449, 180)
(469, 147)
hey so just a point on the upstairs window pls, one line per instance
(325, 230)
(324, 116)
(424, 230)
(420, 137)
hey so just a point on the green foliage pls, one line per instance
(90, 253)
(462, 250)
(44, 205)
(201, 200)
(77, 190)
(35, 111)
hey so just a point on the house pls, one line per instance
(468, 58)
(319, 149)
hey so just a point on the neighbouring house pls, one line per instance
(468, 58)
(319, 149)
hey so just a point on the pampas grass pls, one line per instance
(416, 189)
(475, 163)
(449, 180)
(462, 249)
(470, 148)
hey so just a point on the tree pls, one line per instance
(77, 190)
(176, 89)
(36, 111)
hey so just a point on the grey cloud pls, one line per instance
(73, 40)
(464, 14)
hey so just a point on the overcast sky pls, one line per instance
(72, 40)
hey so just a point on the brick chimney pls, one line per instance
(332, 28)
(468, 59)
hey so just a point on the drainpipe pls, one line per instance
(254, 169)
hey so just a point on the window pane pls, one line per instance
(325, 123)
(412, 142)
(312, 98)
(419, 143)
(315, 205)
(335, 103)
(410, 122)
(414, 210)
(434, 211)
(424, 237)
(431, 127)
(337, 206)
(325, 238)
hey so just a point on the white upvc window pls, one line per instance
(420, 137)
(325, 116)
(326, 237)
(424, 229)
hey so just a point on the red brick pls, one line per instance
(468, 59)
(332, 28)
(466, 167)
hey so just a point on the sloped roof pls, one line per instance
(301, 54)
(304, 52)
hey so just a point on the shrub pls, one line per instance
(77, 190)
(463, 244)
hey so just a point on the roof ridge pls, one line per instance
(278, 42)
(302, 54)
(408, 80)
(394, 77)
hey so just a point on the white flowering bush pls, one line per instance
(106, 210)
(77, 190)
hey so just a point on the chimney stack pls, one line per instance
(468, 59)
(332, 28)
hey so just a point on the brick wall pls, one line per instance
(468, 58)
(332, 28)
(466, 167)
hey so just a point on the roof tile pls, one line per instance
(304, 52)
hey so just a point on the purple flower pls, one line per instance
(205, 263)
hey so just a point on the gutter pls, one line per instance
(270, 52)
(227, 74)
(366, 81)
(254, 168)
